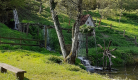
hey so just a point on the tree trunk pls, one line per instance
(40, 8)
(73, 29)
(58, 29)
(120, 16)
(72, 54)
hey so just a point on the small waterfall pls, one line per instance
(95, 40)
(82, 53)
(48, 39)
(16, 18)
(81, 47)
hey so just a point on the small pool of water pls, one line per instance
(129, 73)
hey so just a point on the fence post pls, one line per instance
(27, 28)
(20, 41)
(45, 37)
(38, 32)
(124, 34)
(96, 20)
(111, 26)
(99, 22)
(23, 28)
(135, 40)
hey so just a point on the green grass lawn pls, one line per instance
(43, 65)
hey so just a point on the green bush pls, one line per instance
(55, 59)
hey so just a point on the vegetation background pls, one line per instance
(122, 14)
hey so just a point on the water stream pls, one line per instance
(16, 18)
(122, 73)
(48, 47)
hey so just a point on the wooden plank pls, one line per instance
(11, 68)
(18, 44)
(20, 39)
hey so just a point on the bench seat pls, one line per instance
(19, 73)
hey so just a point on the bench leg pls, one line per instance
(3, 70)
(20, 76)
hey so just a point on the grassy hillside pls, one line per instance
(43, 65)
(126, 46)
(39, 63)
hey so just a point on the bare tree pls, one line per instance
(58, 28)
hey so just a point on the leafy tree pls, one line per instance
(41, 2)
(73, 9)
(78, 4)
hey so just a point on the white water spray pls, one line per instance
(81, 51)
(48, 39)
(16, 18)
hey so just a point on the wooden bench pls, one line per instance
(19, 73)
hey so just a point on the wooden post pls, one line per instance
(38, 36)
(103, 62)
(124, 34)
(106, 62)
(110, 64)
(23, 27)
(96, 20)
(27, 28)
(135, 41)
(19, 27)
(3, 70)
(110, 26)
(38, 32)
(20, 76)
(20, 41)
(77, 48)
(45, 37)
(99, 22)
(86, 46)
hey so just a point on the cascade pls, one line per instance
(81, 47)
(81, 52)
(48, 39)
(16, 18)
